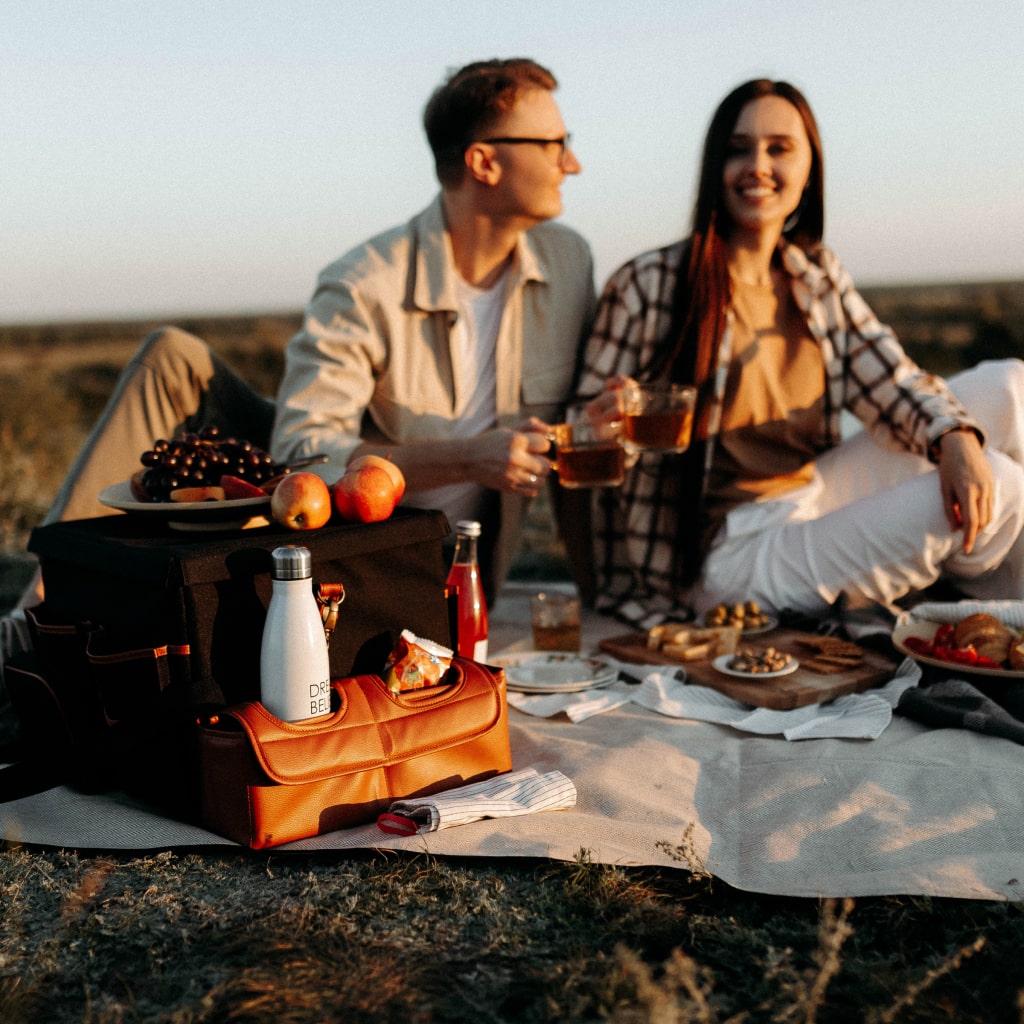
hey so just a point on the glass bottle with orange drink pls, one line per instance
(464, 578)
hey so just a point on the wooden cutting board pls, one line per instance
(782, 693)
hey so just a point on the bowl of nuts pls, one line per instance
(748, 663)
(746, 616)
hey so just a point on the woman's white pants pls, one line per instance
(871, 524)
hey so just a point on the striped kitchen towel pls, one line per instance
(521, 792)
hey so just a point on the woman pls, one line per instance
(770, 503)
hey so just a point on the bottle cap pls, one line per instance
(292, 563)
(468, 527)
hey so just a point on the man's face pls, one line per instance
(531, 174)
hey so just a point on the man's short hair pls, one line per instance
(470, 101)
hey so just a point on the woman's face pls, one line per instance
(767, 165)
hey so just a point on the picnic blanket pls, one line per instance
(917, 811)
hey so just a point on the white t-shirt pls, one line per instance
(474, 339)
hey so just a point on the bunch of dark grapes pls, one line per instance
(200, 460)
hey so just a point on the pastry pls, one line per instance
(986, 634)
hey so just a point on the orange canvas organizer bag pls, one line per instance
(266, 782)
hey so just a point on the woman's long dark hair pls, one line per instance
(702, 294)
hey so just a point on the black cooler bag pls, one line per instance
(144, 629)
(210, 592)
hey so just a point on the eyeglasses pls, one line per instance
(516, 140)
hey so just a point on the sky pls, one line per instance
(174, 157)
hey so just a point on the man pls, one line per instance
(449, 342)
(446, 343)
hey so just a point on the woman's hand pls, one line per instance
(609, 408)
(966, 481)
(610, 405)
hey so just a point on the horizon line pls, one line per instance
(168, 316)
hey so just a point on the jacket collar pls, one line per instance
(433, 262)
(799, 265)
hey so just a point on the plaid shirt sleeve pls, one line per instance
(868, 372)
(632, 318)
(635, 524)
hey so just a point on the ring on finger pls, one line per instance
(533, 479)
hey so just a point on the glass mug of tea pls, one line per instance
(657, 417)
(588, 449)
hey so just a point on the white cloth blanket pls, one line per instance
(917, 811)
(1009, 612)
(861, 716)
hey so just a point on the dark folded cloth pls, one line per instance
(955, 703)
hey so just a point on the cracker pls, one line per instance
(829, 664)
(833, 646)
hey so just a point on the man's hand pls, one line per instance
(502, 459)
(513, 460)
(966, 481)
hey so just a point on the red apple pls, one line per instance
(387, 465)
(301, 501)
(365, 494)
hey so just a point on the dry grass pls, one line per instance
(374, 937)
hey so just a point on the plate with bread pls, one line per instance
(979, 644)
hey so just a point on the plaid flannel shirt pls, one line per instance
(867, 373)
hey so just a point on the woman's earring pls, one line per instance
(794, 218)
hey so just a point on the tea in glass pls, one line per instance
(658, 417)
(588, 450)
(602, 464)
(556, 622)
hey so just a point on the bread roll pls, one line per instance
(974, 625)
(986, 634)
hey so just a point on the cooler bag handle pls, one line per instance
(40, 758)
(371, 727)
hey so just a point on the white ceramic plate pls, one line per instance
(190, 515)
(722, 664)
(926, 630)
(549, 672)
(769, 625)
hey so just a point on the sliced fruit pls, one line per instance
(269, 486)
(235, 488)
(191, 494)
(138, 488)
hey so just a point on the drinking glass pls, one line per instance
(556, 622)
(588, 450)
(658, 417)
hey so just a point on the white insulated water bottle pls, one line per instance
(295, 674)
